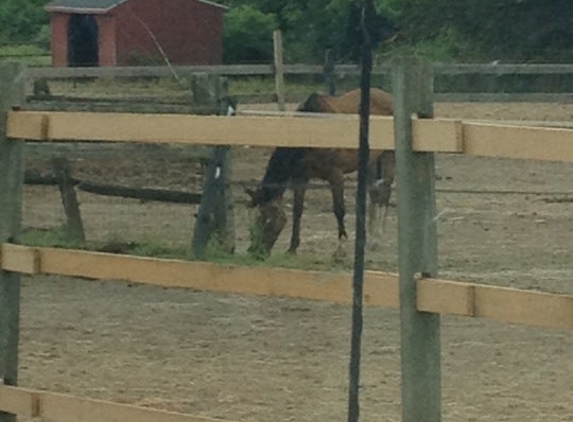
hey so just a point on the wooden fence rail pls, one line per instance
(328, 70)
(65, 408)
(292, 69)
(380, 289)
(436, 135)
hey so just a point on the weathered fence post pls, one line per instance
(279, 69)
(328, 72)
(205, 89)
(412, 84)
(74, 225)
(11, 179)
(215, 213)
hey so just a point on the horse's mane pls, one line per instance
(283, 164)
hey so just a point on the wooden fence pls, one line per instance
(330, 73)
(420, 297)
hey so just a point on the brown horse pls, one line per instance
(294, 167)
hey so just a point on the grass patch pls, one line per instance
(266, 85)
(60, 238)
(57, 238)
(28, 54)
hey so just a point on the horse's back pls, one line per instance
(348, 103)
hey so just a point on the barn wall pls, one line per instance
(59, 30)
(107, 37)
(190, 32)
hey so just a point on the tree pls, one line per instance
(248, 35)
(512, 30)
(20, 20)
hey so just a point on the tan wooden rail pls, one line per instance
(380, 289)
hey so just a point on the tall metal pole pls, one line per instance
(360, 243)
(412, 85)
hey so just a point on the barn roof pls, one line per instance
(96, 6)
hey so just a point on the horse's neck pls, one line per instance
(329, 104)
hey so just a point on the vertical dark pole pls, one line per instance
(360, 245)
(412, 84)
(11, 178)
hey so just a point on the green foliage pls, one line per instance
(248, 35)
(21, 21)
(444, 30)
(43, 38)
(447, 46)
(511, 30)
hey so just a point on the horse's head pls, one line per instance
(269, 224)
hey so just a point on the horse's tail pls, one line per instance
(283, 165)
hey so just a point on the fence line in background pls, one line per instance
(289, 69)
(328, 71)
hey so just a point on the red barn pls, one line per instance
(136, 32)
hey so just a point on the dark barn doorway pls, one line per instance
(83, 35)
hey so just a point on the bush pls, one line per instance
(247, 35)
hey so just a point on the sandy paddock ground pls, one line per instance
(503, 222)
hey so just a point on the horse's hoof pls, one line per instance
(291, 251)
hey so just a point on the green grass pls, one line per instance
(59, 238)
(29, 54)
(266, 85)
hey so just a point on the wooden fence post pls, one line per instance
(328, 72)
(215, 213)
(11, 179)
(205, 91)
(412, 84)
(74, 225)
(279, 69)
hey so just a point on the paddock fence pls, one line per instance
(432, 296)
(491, 82)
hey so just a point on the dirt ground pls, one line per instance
(503, 222)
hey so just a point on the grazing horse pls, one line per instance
(294, 167)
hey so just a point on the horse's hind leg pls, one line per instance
(299, 188)
(380, 179)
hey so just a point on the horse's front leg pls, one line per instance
(336, 182)
(299, 189)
